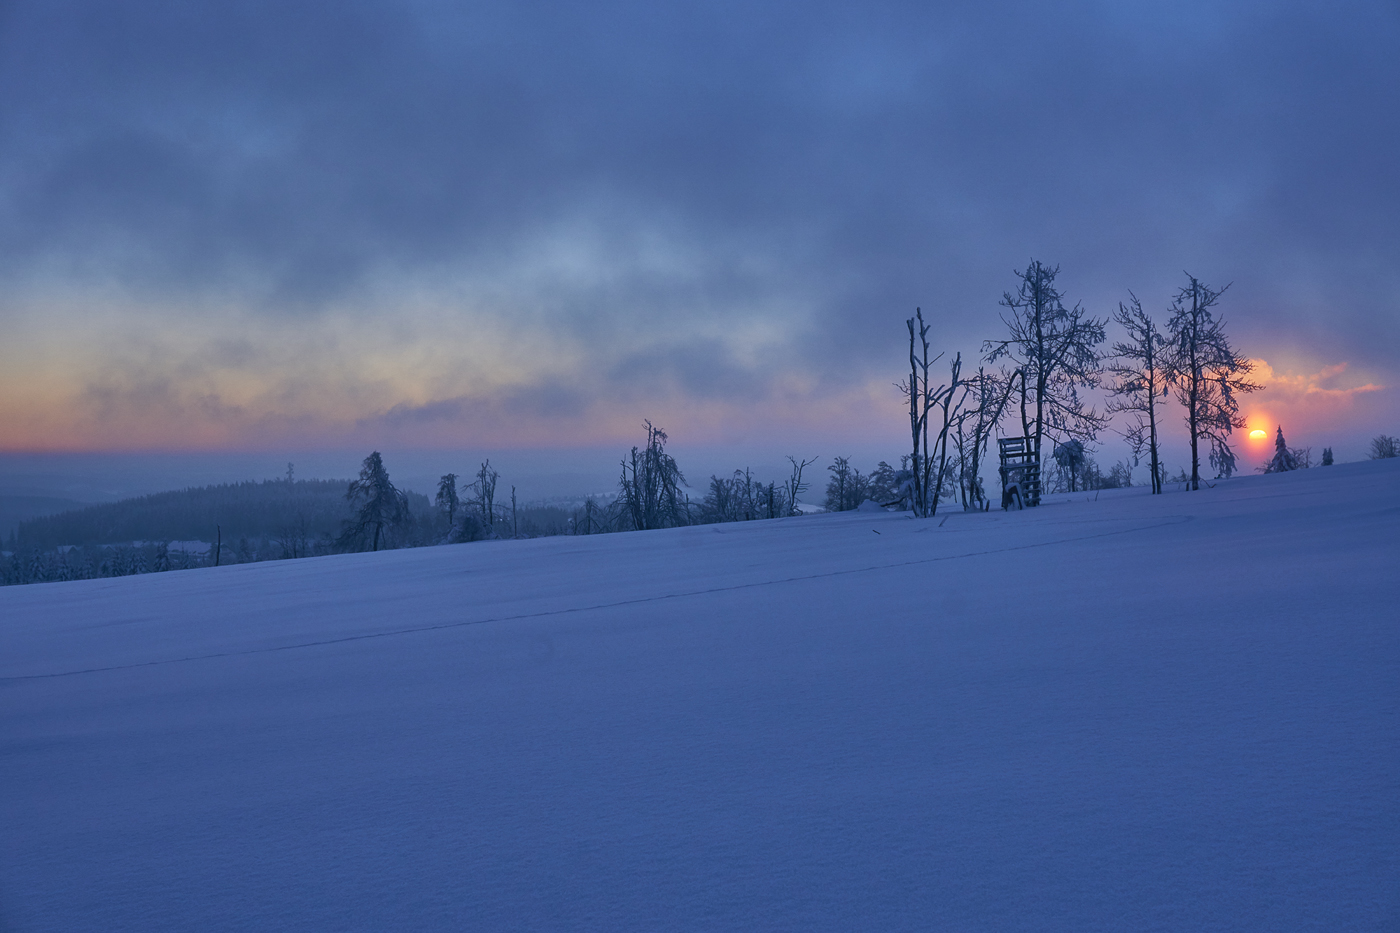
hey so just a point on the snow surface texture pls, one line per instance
(1122, 713)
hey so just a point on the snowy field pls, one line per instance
(1111, 713)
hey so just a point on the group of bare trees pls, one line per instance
(1048, 356)
(471, 512)
(651, 492)
(1048, 359)
(961, 412)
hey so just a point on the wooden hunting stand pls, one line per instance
(1020, 472)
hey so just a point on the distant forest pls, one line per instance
(309, 509)
(245, 522)
(286, 519)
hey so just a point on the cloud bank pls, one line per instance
(239, 224)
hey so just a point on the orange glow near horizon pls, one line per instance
(240, 383)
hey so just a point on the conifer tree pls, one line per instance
(1284, 459)
(447, 499)
(381, 504)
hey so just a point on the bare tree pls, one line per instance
(1383, 447)
(920, 397)
(984, 401)
(723, 501)
(1054, 351)
(593, 520)
(1140, 378)
(795, 485)
(950, 411)
(926, 480)
(1205, 372)
(295, 538)
(847, 487)
(776, 500)
(485, 490)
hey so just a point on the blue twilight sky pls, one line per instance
(276, 226)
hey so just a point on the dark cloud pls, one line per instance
(848, 163)
(549, 399)
(699, 369)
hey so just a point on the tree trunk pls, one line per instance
(1193, 414)
(1152, 447)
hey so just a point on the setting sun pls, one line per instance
(1258, 433)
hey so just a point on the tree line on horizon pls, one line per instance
(1031, 378)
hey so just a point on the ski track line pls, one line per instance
(575, 609)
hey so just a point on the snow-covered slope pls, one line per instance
(1125, 713)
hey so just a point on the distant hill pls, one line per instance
(16, 509)
(254, 510)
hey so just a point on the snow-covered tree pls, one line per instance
(890, 486)
(650, 493)
(928, 464)
(1206, 373)
(381, 504)
(1139, 380)
(1054, 351)
(1222, 460)
(923, 398)
(484, 490)
(1284, 459)
(447, 499)
(741, 498)
(984, 399)
(796, 485)
(1071, 458)
(847, 488)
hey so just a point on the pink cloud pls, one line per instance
(1317, 407)
(1312, 388)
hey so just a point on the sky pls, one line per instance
(277, 228)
